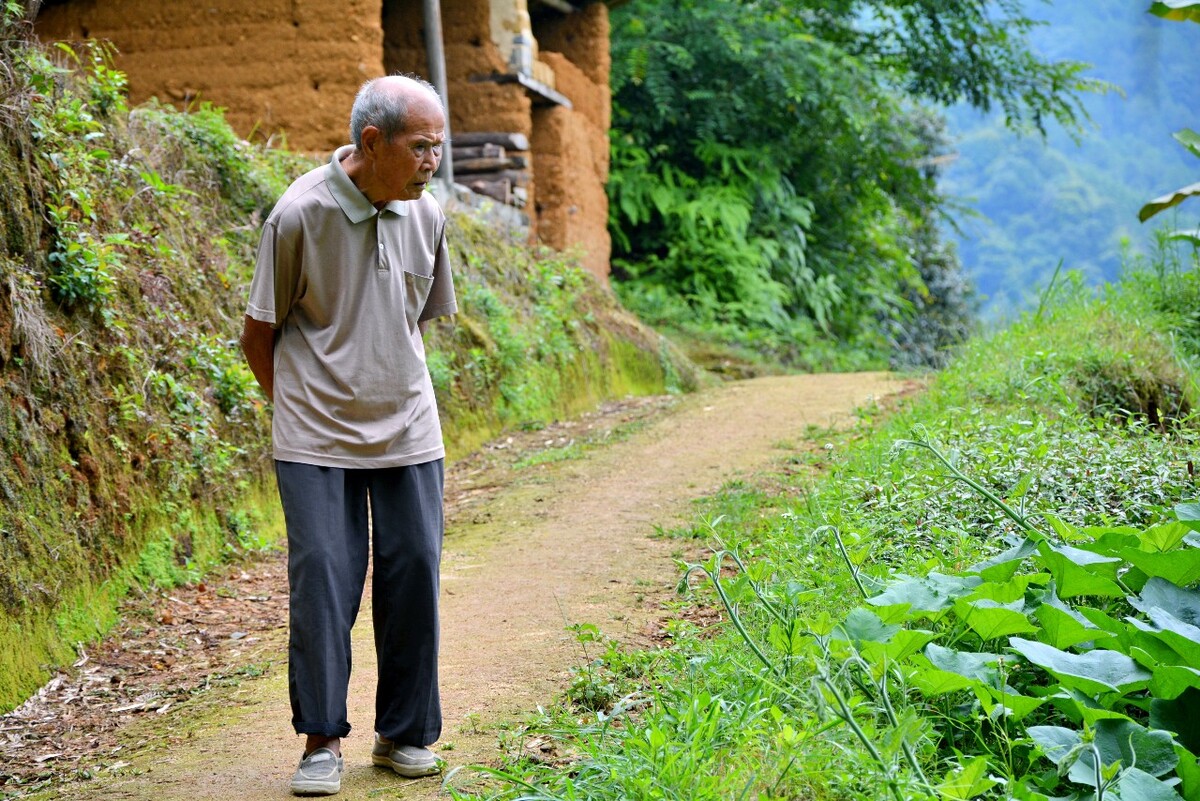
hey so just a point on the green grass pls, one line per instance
(1077, 420)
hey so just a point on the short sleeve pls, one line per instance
(276, 276)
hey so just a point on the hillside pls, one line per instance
(1042, 201)
(135, 442)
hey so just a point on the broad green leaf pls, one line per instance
(980, 667)
(991, 620)
(1168, 200)
(932, 681)
(1062, 629)
(967, 782)
(1077, 572)
(1171, 622)
(1180, 715)
(1151, 750)
(932, 593)
(1014, 705)
(1094, 672)
(1119, 742)
(1103, 621)
(1111, 542)
(1164, 536)
(1055, 742)
(1081, 708)
(1180, 10)
(1171, 681)
(1166, 647)
(1189, 514)
(1008, 591)
(1091, 715)
(1180, 603)
(1002, 566)
(1064, 530)
(1188, 771)
(1181, 566)
(863, 625)
(902, 645)
(1137, 785)
(792, 641)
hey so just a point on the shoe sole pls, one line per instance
(407, 771)
(316, 788)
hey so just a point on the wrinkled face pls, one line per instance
(404, 165)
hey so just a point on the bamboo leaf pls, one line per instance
(1167, 201)
(1179, 10)
(1187, 137)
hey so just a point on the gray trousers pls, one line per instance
(329, 532)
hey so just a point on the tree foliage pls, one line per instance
(774, 167)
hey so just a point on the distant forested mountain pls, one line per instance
(1043, 201)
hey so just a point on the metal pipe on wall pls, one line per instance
(436, 54)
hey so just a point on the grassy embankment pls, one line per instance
(1026, 677)
(135, 446)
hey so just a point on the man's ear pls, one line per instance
(371, 137)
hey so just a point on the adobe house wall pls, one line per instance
(291, 68)
(277, 66)
(570, 148)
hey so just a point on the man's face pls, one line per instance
(405, 164)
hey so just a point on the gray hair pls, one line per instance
(381, 106)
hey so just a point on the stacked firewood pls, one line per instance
(495, 164)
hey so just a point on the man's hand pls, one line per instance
(258, 344)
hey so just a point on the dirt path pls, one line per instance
(570, 542)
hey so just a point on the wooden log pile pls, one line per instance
(494, 164)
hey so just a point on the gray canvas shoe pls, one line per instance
(410, 761)
(320, 773)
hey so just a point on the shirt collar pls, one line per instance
(353, 202)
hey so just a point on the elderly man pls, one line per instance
(351, 267)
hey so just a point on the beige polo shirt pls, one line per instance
(345, 284)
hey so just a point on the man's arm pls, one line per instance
(258, 343)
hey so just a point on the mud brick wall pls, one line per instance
(277, 66)
(570, 148)
(290, 68)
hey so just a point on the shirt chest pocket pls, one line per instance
(416, 292)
